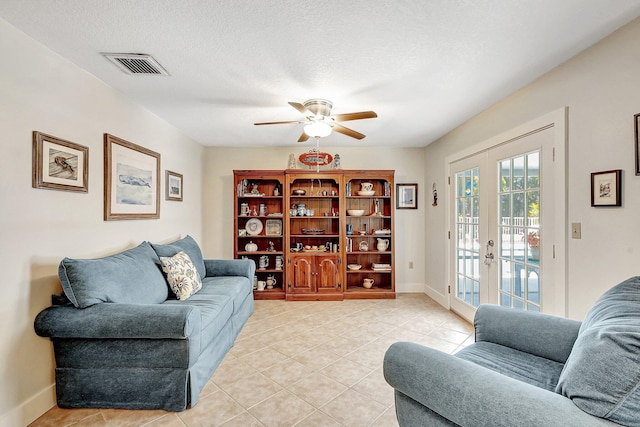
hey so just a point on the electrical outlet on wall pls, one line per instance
(576, 230)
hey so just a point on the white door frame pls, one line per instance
(557, 122)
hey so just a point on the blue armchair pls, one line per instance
(528, 369)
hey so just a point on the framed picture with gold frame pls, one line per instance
(59, 164)
(131, 180)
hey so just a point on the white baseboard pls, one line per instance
(410, 288)
(30, 410)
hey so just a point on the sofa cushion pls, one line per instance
(130, 277)
(187, 245)
(516, 364)
(602, 374)
(182, 275)
(215, 312)
(235, 287)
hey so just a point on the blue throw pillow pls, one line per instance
(187, 245)
(129, 277)
(602, 374)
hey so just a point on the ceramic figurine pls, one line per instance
(292, 161)
(336, 161)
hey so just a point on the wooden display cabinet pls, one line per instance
(294, 225)
(313, 235)
(259, 227)
(369, 236)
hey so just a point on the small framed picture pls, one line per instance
(59, 164)
(406, 196)
(606, 188)
(173, 186)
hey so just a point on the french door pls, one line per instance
(502, 226)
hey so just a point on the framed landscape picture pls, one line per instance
(131, 180)
(173, 186)
(59, 164)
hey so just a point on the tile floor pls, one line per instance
(302, 364)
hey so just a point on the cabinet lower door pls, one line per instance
(328, 274)
(301, 275)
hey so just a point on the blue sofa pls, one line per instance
(122, 339)
(528, 369)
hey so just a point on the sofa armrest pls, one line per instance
(472, 396)
(230, 267)
(119, 321)
(540, 334)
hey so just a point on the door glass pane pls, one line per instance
(467, 247)
(520, 230)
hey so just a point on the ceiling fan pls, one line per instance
(320, 123)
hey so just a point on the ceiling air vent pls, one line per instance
(136, 63)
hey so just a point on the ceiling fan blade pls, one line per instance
(278, 123)
(302, 109)
(346, 131)
(355, 116)
(303, 137)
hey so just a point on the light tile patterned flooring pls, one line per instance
(302, 364)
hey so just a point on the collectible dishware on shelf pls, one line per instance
(251, 247)
(271, 281)
(279, 262)
(366, 189)
(254, 227)
(363, 246)
(383, 244)
(355, 212)
(263, 210)
(263, 262)
(354, 267)
(368, 283)
(244, 209)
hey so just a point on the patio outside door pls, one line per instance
(501, 214)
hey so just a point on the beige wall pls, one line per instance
(409, 224)
(40, 91)
(600, 89)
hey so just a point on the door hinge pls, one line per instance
(449, 235)
(339, 285)
(339, 260)
(553, 154)
(289, 285)
(449, 289)
(288, 260)
(554, 251)
(449, 180)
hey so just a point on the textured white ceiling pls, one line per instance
(425, 66)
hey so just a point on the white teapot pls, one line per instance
(251, 247)
(383, 244)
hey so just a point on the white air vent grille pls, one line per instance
(136, 63)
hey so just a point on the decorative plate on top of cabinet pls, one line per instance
(254, 227)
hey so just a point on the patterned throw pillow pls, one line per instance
(182, 275)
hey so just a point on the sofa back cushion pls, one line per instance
(187, 245)
(602, 374)
(130, 277)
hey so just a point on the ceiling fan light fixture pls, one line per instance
(318, 129)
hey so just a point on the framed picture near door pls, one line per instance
(406, 196)
(606, 188)
(131, 180)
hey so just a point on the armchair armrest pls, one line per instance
(119, 321)
(540, 334)
(472, 396)
(230, 267)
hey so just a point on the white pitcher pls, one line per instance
(383, 244)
